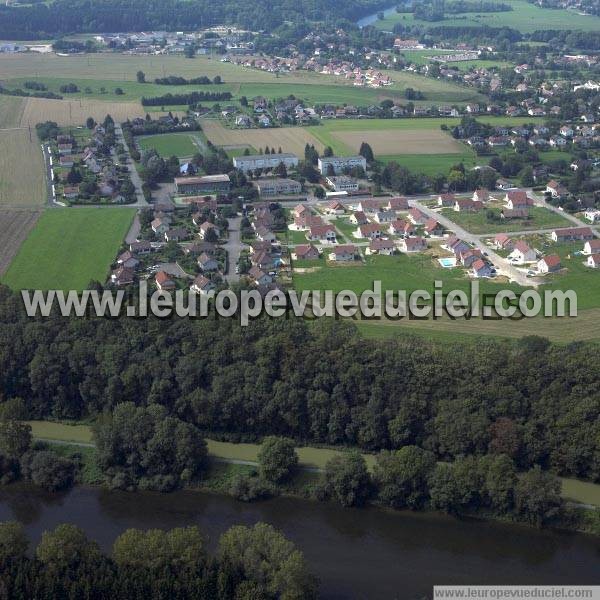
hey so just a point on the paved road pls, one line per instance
(234, 247)
(542, 202)
(134, 230)
(133, 174)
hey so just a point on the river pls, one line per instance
(370, 19)
(357, 553)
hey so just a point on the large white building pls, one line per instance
(264, 161)
(339, 163)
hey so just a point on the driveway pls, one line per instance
(234, 247)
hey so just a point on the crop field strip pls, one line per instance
(22, 169)
(289, 139)
(11, 111)
(15, 225)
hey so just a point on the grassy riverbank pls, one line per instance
(234, 456)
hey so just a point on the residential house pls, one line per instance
(160, 225)
(467, 205)
(413, 244)
(516, 213)
(592, 215)
(370, 206)
(164, 282)
(122, 276)
(305, 252)
(259, 277)
(517, 199)
(343, 253)
(205, 228)
(397, 203)
(555, 189)
(177, 234)
(128, 260)
(385, 216)
(335, 207)
(264, 234)
(456, 245)
(481, 195)
(142, 247)
(433, 228)
(358, 218)
(468, 257)
(446, 200)
(417, 217)
(593, 261)
(591, 247)
(570, 234)
(522, 253)
(321, 233)
(549, 264)
(402, 228)
(207, 263)
(503, 242)
(480, 268)
(202, 285)
(368, 230)
(379, 246)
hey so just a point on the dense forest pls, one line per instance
(317, 382)
(87, 16)
(250, 562)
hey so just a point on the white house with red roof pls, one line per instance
(591, 247)
(549, 264)
(522, 253)
(593, 261)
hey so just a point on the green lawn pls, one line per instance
(524, 17)
(169, 144)
(432, 164)
(68, 248)
(541, 218)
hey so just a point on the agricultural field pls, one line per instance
(75, 112)
(15, 226)
(541, 218)
(68, 248)
(524, 17)
(110, 71)
(170, 144)
(289, 139)
(432, 164)
(394, 142)
(11, 110)
(22, 170)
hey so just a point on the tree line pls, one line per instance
(187, 99)
(316, 382)
(154, 564)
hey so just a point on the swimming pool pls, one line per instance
(447, 262)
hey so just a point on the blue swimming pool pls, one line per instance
(447, 262)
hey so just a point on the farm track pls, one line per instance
(15, 225)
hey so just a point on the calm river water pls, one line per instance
(366, 553)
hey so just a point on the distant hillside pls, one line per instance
(88, 16)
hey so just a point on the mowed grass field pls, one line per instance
(170, 144)
(69, 248)
(310, 457)
(524, 17)
(541, 218)
(15, 226)
(289, 139)
(22, 169)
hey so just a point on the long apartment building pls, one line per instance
(264, 161)
(339, 163)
